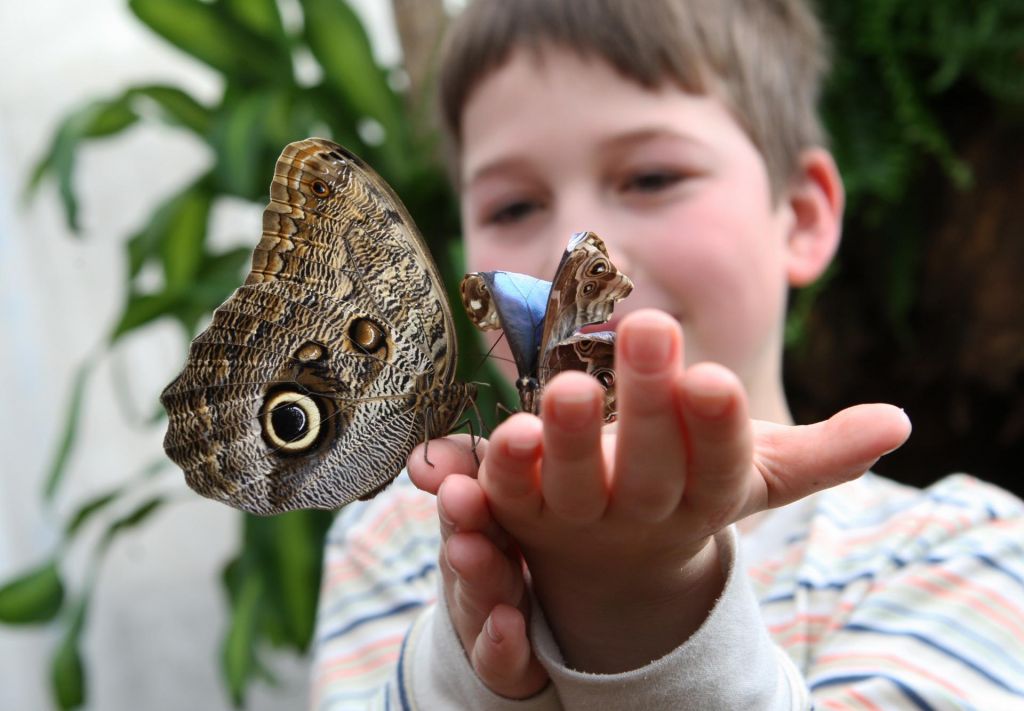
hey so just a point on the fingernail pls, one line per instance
(573, 410)
(648, 348)
(522, 445)
(491, 632)
(910, 428)
(709, 400)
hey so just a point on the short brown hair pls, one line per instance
(765, 58)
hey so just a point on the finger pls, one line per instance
(502, 656)
(430, 462)
(462, 507)
(509, 476)
(650, 455)
(797, 461)
(714, 407)
(573, 478)
(484, 578)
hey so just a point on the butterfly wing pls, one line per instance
(514, 303)
(541, 320)
(331, 362)
(584, 291)
(592, 353)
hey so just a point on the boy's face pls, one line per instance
(669, 181)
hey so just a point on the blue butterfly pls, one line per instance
(541, 320)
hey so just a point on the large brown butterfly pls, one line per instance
(335, 358)
(541, 320)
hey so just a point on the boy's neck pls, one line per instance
(766, 395)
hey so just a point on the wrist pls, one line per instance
(619, 619)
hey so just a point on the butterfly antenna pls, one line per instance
(487, 355)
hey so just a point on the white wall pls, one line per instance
(158, 615)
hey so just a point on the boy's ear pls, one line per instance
(816, 197)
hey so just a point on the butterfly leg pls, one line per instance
(474, 438)
(502, 408)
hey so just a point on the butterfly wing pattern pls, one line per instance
(546, 339)
(337, 355)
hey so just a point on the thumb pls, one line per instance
(503, 659)
(798, 461)
(431, 462)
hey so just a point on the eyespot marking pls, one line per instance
(291, 421)
(366, 336)
(310, 351)
(320, 188)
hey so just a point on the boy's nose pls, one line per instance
(619, 256)
(615, 241)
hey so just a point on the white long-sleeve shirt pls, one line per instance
(871, 595)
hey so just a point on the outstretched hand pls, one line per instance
(617, 526)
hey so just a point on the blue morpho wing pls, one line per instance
(520, 301)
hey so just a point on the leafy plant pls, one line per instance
(273, 582)
(909, 79)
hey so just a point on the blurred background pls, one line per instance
(137, 143)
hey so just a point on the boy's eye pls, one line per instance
(512, 212)
(651, 181)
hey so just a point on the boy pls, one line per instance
(683, 132)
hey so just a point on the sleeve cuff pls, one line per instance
(729, 662)
(438, 674)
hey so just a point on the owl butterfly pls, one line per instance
(541, 320)
(318, 376)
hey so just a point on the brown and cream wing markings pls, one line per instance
(544, 336)
(335, 357)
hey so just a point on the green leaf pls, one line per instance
(239, 650)
(340, 44)
(286, 552)
(98, 503)
(142, 309)
(212, 36)
(183, 233)
(220, 275)
(33, 597)
(67, 439)
(89, 509)
(104, 118)
(94, 120)
(262, 17)
(239, 139)
(175, 235)
(296, 570)
(68, 669)
(136, 516)
(177, 107)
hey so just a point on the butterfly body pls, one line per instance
(542, 320)
(318, 376)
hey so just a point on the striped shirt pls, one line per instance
(880, 595)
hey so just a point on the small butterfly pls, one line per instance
(541, 320)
